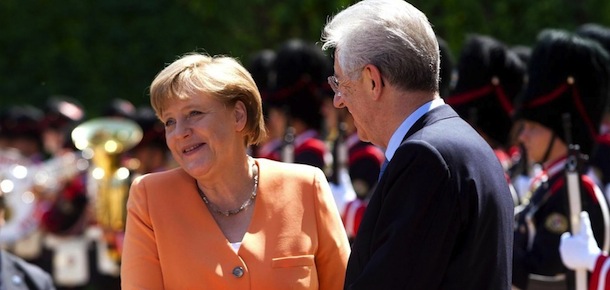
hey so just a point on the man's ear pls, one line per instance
(372, 76)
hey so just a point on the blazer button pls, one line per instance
(238, 271)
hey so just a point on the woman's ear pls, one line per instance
(241, 115)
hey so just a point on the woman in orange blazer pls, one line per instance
(224, 220)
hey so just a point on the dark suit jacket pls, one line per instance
(441, 216)
(19, 274)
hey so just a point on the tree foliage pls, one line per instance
(99, 50)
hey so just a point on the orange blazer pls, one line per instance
(296, 239)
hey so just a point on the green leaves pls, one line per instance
(98, 50)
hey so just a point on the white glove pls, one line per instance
(580, 250)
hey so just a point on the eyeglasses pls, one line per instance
(334, 84)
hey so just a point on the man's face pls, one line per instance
(349, 94)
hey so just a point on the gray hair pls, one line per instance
(392, 35)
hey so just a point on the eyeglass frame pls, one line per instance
(333, 81)
(334, 85)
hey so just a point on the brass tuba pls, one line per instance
(105, 139)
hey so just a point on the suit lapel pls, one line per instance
(12, 277)
(434, 115)
(438, 113)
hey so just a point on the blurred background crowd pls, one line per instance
(76, 126)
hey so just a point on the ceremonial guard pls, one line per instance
(301, 70)
(562, 105)
(48, 211)
(364, 164)
(581, 252)
(22, 127)
(261, 67)
(18, 162)
(151, 154)
(66, 212)
(490, 76)
(63, 198)
(600, 158)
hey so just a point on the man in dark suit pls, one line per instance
(441, 216)
(16, 273)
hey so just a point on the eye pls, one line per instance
(169, 122)
(194, 113)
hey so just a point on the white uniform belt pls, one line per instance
(556, 278)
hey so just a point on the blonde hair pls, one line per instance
(221, 77)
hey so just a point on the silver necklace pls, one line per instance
(231, 212)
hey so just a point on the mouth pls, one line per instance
(192, 148)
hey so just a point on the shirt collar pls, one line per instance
(402, 130)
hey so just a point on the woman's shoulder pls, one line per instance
(286, 168)
(170, 176)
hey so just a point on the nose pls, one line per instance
(182, 130)
(338, 101)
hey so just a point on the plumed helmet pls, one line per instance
(152, 129)
(301, 70)
(261, 67)
(23, 121)
(524, 52)
(490, 76)
(596, 32)
(120, 108)
(62, 111)
(568, 76)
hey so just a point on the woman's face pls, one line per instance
(536, 139)
(202, 132)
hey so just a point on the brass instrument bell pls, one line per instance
(107, 138)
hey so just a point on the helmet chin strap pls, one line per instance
(548, 149)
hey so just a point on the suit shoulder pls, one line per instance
(36, 276)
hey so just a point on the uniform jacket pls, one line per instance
(352, 216)
(17, 274)
(364, 164)
(441, 216)
(544, 218)
(310, 150)
(600, 277)
(295, 240)
(270, 150)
